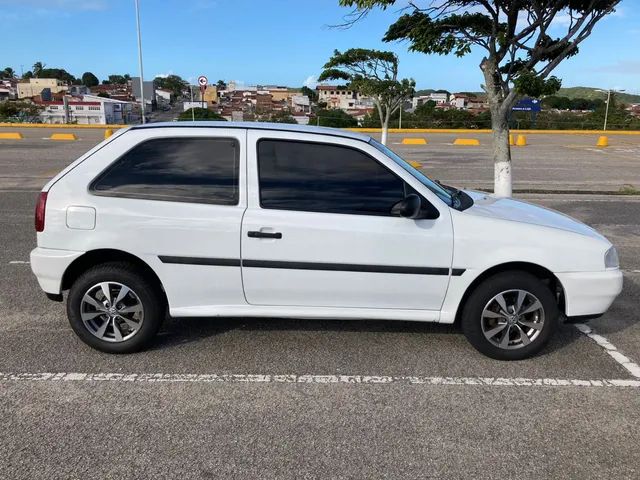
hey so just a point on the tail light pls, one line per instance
(41, 207)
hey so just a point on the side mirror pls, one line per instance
(408, 207)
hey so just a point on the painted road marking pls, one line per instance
(618, 356)
(312, 379)
(18, 262)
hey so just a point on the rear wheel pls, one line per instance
(115, 309)
(510, 316)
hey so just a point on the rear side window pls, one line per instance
(315, 177)
(197, 170)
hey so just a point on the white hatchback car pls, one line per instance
(212, 219)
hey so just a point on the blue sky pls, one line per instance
(265, 41)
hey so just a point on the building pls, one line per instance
(211, 94)
(149, 93)
(464, 101)
(8, 89)
(89, 110)
(342, 98)
(440, 98)
(35, 86)
(300, 104)
(163, 95)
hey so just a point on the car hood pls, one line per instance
(486, 205)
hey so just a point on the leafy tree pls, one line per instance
(174, 83)
(89, 79)
(519, 52)
(374, 74)
(58, 73)
(282, 116)
(28, 74)
(20, 111)
(312, 94)
(200, 114)
(8, 72)
(221, 85)
(116, 80)
(37, 68)
(334, 118)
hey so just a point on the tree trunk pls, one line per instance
(500, 108)
(385, 128)
(501, 154)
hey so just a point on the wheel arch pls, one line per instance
(106, 255)
(544, 274)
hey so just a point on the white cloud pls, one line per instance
(311, 81)
(164, 75)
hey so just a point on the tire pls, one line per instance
(501, 336)
(137, 315)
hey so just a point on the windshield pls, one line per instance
(439, 190)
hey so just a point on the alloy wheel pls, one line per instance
(111, 311)
(512, 319)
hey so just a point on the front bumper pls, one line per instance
(49, 265)
(590, 293)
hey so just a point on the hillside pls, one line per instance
(592, 93)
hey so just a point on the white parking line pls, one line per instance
(618, 356)
(313, 379)
(18, 262)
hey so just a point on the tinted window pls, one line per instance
(316, 177)
(198, 170)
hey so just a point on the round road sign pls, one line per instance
(202, 80)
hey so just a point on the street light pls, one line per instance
(140, 60)
(606, 112)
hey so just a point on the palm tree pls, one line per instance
(37, 68)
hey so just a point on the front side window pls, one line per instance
(314, 177)
(196, 170)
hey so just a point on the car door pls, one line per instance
(175, 197)
(318, 230)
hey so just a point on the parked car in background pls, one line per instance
(212, 219)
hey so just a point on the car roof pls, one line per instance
(277, 127)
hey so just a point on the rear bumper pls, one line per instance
(590, 293)
(49, 265)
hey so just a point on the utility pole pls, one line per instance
(142, 104)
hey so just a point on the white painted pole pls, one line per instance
(606, 112)
(140, 61)
(193, 112)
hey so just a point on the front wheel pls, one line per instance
(114, 309)
(510, 316)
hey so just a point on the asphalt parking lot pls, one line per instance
(274, 398)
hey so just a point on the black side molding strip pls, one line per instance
(332, 267)
(218, 262)
(345, 267)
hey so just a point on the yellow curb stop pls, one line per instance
(10, 136)
(603, 141)
(63, 136)
(466, 141)
(107, 133)
(415, 164)
(414, 141)
(511, 142)
(521, 141)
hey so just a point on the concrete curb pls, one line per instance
(480, 130)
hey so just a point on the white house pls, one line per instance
(90, 109)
